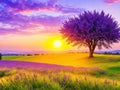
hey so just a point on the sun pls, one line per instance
(57, 43)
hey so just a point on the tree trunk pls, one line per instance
(91, 51)
(92, 45)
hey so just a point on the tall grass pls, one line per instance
(54, 80)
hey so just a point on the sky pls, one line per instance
(33, 25)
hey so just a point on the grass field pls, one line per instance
(76, 72)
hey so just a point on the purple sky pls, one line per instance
(27, 24)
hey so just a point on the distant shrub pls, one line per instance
(29, 55)
(36, 54)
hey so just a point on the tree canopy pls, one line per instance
(91, 29)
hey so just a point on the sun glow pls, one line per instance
(57, 43)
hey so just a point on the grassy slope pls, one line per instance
(109, 63)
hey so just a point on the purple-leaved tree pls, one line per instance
(91, 29)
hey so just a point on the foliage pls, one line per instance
(91, 29)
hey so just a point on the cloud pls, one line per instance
(31, 5)
(19, 24)
(111, 1)
(51, 3)
(69, 9)
(20, 5)
(13, 21)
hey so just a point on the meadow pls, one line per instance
(68, 71)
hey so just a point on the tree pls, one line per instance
(0, 56)
(91, 29)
